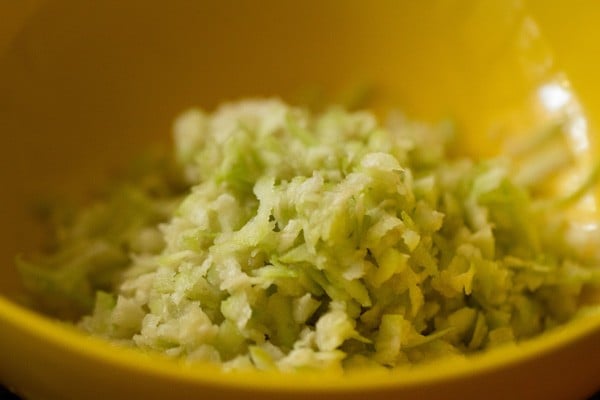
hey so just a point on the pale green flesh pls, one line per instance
(303, 241)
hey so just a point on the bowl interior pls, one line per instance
(86, 85)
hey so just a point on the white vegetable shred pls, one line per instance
(289, 240)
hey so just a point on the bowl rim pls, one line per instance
(69, 339)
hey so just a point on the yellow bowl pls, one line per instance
(85, 84)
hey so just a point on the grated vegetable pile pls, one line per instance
(282, 239)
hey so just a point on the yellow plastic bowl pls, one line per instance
(83, 85)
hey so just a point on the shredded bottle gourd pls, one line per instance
(283, 239)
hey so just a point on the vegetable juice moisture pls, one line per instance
(282, 239)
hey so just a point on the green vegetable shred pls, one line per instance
(282, 239)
